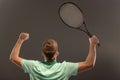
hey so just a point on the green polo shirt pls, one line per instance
(49, 70)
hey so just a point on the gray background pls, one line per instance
(40, 19)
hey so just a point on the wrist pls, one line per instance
(93, 45)
(20, 40)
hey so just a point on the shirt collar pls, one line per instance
(50, 63)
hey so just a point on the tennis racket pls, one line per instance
(73, 16)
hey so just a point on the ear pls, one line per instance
(42, 53)
(57, 53)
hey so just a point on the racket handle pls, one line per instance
(98, 44)
(89, 34)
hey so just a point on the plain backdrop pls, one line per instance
(41, 20)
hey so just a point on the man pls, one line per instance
(50, 69)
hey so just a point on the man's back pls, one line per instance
(49, 70)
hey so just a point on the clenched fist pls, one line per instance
(24, 36)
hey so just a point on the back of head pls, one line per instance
(49, 48)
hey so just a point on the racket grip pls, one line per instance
(98, 44)
(90, 35)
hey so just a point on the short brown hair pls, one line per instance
(49, 48)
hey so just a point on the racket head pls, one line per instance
(71, 15)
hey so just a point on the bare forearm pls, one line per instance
(14, 56)
(91, 58)
(16, 49)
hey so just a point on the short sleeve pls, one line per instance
(71, 69)
(27, 65)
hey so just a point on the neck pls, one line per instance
(46, 60)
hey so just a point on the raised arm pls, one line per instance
(14, 56)
(91, 58)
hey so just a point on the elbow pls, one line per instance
(11, 58)
(91, 66)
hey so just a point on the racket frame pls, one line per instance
(82, 25)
